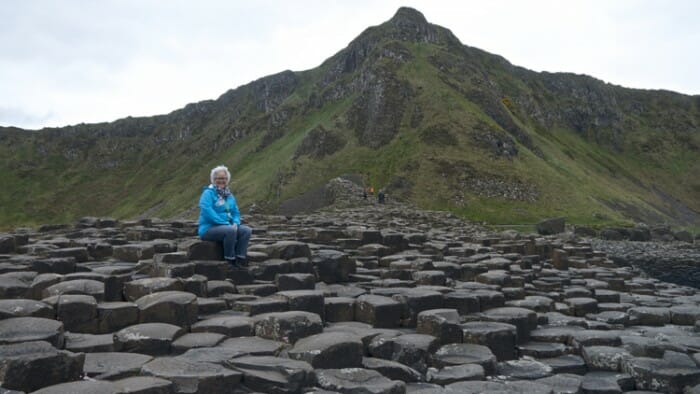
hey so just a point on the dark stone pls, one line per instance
(440, 323)
(25, 308)
(358, 380)
(148, 338)
(113, 365)
(392, 369)
(171, 307)
(339, 309)
(193, 377)
(30, 366)
(457, 373)
(523, 369)
(268, 374)
(287, 326)
(230, 326)
(499, 337)
(551, 226)
(465, 353)
(379, 311)
(333, 266)
(25, 329)
(329, 350)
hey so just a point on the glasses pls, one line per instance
(220, 179)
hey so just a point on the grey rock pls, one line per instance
(33, 365)
(25, 329)
(392, 369)
(440, 323)
(25, 308)
(230, 326)
(80, 387)
(148, 338)
(523, 369)
(113, 316)
(138, 288)
(77, 342)
(287, 326)
(457, 373)
(412, 350)
(379, 311)
(193, 377)
(465, 353)
(551, 226)
(330, 350)
(499, 337)
(196, 340)
(113, 365)
(358, 380)
(143, 385)
(254, 346)
(273, 374)
(172, 307)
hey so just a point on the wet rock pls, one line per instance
(56, 265)
(542, 349)
(254, 346)
(30, 366)
(563, 383)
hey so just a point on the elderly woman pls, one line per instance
(220, 219)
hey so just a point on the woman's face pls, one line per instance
(220, 179)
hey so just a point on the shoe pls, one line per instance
(234, 264)
(242, 261)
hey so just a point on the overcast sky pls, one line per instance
(69, 61)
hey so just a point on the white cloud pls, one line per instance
(72, 61)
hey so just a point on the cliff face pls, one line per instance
(405, 106)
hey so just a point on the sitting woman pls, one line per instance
(220, 219)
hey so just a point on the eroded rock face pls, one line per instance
(378, 298)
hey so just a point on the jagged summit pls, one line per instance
(408, 16)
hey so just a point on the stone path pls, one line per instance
(377, 299)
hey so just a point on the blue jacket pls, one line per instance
(215, 212)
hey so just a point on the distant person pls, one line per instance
(220, 219)
(381, 196)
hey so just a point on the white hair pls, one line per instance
(219, 169)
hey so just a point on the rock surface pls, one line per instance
(406, 301)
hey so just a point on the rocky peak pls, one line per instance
(411, 25)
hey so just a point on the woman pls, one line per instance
(220, 219)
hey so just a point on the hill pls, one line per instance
(405, 107)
